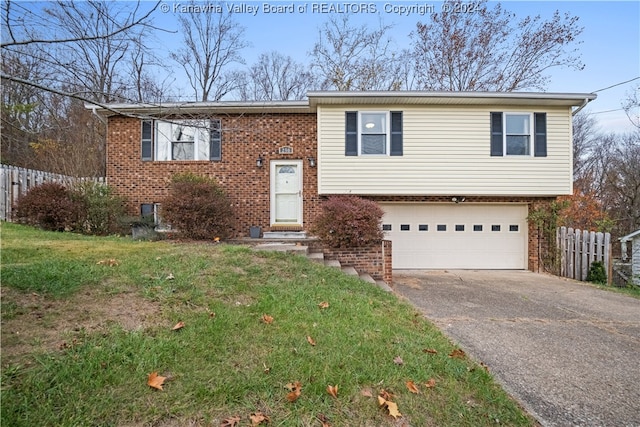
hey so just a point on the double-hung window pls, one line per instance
(519, 134)
(181, 140)
(373, 133)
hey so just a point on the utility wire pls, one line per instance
(617, 84)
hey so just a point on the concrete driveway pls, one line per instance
(567, 351)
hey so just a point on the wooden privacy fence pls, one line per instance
(578, 249)
(15, 181)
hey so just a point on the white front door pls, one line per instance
(286, 192)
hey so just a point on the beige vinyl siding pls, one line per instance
(446, 151)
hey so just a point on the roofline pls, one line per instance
(629, 236)
(316, 98)
(177, 108)
(438, 97)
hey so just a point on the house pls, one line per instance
(634, 258)
(456, 172)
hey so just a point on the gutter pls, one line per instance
(584, 104)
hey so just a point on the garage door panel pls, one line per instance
(470, 236)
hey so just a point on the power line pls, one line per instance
(617, 84)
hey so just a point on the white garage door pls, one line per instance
(474, 236)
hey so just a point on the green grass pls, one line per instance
(226, 361)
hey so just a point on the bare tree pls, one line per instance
(471, 47)
(46, 79)
(585, 143)
(276, 77)
(631, 105)
(348, 57)
(212, 42)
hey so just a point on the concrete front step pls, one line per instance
(316, 257)
(332, 263)
(284, 235)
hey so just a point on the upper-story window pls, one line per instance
(373, 133)
(181, 140)
(519, 134)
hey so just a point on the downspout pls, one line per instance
(95, 113)
(584, 104)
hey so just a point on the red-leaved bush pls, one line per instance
(197, 207)
(349, 222)
(50, 206)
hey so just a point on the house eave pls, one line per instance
(629, 237)
(449, 98)
(196, 108)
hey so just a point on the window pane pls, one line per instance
(182, 150)
(459, 227)
(495, 228)
(441, 227)
(518, 145)
(374, 144)
(405, 227)
(386, 227)
(373, 122)
(423, 227)
(513, 228)
(477, 227)
(518, 124)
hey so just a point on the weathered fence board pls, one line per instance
(579, 249)
(15, 181)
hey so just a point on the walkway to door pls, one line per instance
(569, 352)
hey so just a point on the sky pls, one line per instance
(609, 48)
(609, 45)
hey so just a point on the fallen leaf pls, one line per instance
(230, 422)
(430, 351)
(267, 319)
(266, 369)
(324, 420)
(398, 360)
(457, 354)
(311, 341)
(386, 395)
(110, 262)
(296, 390)
(391, 407)
(155, 380)
(366, 392)
(431, 383)
(333, 390)
(412, 387)
(486, 368)
(323, 305)
(258, 418)
(178, 325)
(170, 277)
(216, 239)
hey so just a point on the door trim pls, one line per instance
(272, 182)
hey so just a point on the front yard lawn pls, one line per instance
(86, 320)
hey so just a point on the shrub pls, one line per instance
(50, 206)
(597, 273)
(102, 209)
(197, 207)
(348, 222)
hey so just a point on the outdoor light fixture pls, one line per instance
(370, 125)
(259, 161)
(458, 199)
(312, 162)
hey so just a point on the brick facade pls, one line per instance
(244, 138)
(374, 260)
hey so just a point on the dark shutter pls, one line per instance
(396, 133)
(496, 134)
(215, 140)
(351, 134)
(540, 141)
(147, 140)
